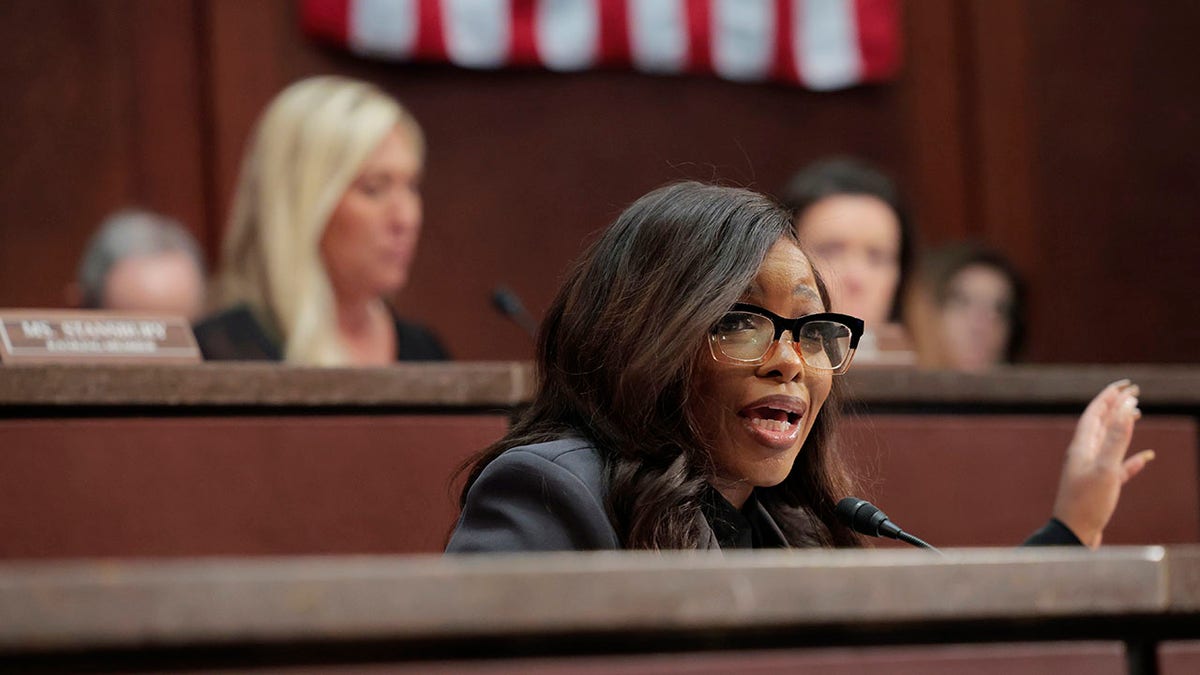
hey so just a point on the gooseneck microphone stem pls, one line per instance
(865, 518)
(915, 541)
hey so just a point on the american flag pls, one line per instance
(818, 44)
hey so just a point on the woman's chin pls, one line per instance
(387, 286)
(765, 471)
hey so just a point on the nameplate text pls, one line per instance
(51, 336)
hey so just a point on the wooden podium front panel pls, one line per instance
(1068, 658)
(1181, 657)
(233, 485)
(990, 480)
(290, 484)
(1056, 658)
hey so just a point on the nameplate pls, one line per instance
(50, 336)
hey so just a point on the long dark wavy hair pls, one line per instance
(616, 362)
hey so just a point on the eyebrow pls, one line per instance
(805, 290)
(808, 291)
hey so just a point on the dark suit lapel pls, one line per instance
(772, 533)
(772, 530)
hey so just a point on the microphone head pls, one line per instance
(846, 509)
(862, 517)
(507, 302)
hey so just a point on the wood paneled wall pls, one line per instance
(1062, 134)
(104, 109)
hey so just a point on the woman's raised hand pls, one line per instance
(1096, 466)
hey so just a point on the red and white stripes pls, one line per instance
(820, 44)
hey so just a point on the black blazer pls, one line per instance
(236, 334)
(552, 497)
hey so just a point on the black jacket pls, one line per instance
(236, 335)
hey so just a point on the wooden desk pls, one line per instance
(87, 389)
(260, 459)
(604, 612)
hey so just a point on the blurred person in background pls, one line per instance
(323, 230)
(965, 309)
(851, 218)
(139, 261)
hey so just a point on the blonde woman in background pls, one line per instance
(324, 226)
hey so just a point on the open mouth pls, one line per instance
(775, 421)
(771, 419)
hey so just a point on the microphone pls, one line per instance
(865, 518)
(508, 304)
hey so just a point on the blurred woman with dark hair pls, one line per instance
(850, 216)
(687, 393)
(966, 309)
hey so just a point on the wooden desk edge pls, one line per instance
(510, 383)
(131, 604)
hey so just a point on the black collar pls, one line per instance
(750, 527)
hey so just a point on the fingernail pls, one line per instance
(1149, 455)
(1121, 383)
(1131, 403)
(1134, 390)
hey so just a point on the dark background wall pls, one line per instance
(1062, 131)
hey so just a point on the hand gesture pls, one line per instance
(1096, 466)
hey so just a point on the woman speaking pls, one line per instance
(687, 397)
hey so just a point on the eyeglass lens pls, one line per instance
(744, 336)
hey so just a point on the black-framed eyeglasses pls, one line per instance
(824, 341)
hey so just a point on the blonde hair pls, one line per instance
(305, 152)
